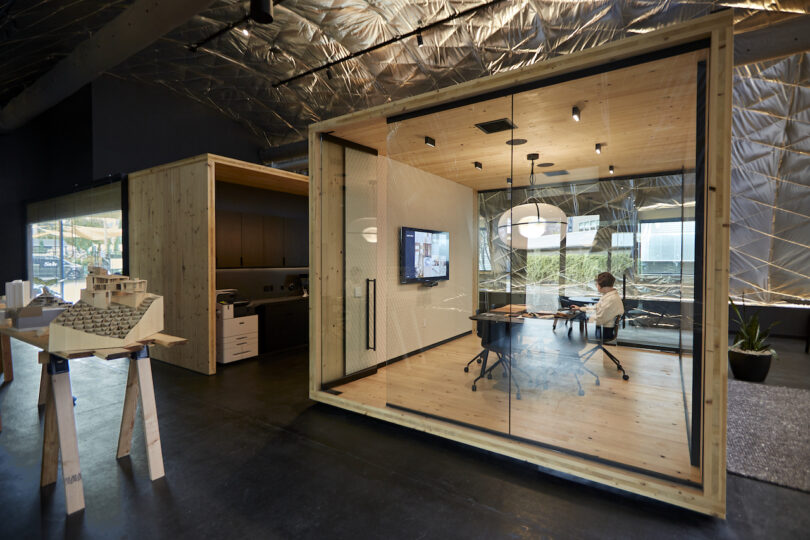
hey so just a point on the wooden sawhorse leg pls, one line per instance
(44, 379)
(139, 382)
(60, 435)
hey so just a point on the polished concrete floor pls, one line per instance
(249, 456)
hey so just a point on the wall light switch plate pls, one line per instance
(358, 292)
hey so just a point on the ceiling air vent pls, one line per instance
(555, 173)
(495, 126)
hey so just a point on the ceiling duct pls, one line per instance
(289, 157)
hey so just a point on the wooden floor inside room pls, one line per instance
(639, 423)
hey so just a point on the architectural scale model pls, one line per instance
(37, 313)
(114, 311)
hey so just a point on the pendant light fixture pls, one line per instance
(534, 224)
(532, 157)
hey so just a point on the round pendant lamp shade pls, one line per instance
(532, 226)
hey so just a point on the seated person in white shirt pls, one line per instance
(604, 313)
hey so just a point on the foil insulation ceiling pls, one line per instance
(239, 74)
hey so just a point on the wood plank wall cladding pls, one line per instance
(332, 260)
(171, 245)
(711, 38)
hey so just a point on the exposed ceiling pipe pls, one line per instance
(297, 165)
(140, 25)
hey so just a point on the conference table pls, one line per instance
(60, 434)
(520, 315)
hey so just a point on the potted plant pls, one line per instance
(750, 356)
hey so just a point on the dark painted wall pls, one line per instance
(138, 126)
(110, 127)
(49, 156)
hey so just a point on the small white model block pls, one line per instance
(18, 293)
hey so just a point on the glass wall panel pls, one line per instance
(447, 349)
(602, 265)
(526, 264)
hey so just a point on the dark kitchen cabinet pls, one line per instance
(296, 242)
(283, 325)
(229, 239)
(252, 241)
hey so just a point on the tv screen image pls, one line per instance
(424, 255)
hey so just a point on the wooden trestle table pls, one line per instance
(60, 422)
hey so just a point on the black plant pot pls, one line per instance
(749, 367)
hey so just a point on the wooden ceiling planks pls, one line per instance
(643, 116)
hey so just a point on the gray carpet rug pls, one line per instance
(769, 433)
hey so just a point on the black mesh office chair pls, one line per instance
(480, 357)
(495, 338)
(600, 346)
(566, 303)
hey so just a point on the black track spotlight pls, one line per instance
(610, 169)
(261, 11)
(430, 141)
(598, 148)
(419, 40)
(478, 165)
(329, 74)
(575, 114)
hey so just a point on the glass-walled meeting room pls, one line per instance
(525, 268)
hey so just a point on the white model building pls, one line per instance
(18, 293)
(114, 311)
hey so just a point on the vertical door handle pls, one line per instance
(371, 315)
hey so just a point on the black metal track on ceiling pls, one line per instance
(550, 81)
(395, 39)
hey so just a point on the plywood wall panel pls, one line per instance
(171, 245)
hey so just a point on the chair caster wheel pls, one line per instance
(473, 388)
(479, 360)
(489, 376)
(626, 377)
(581, 392)
(466, 369)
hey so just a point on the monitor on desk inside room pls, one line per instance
(424, 255)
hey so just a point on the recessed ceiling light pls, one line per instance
(478, 165)
(545, 164)
(598, 148)
(245, 32)
(516, 142)
(610, 169)
(575, 114)
(430, 141)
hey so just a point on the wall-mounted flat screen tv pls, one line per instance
(424, 255)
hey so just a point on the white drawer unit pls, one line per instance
(237, 338)
(238, 326)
